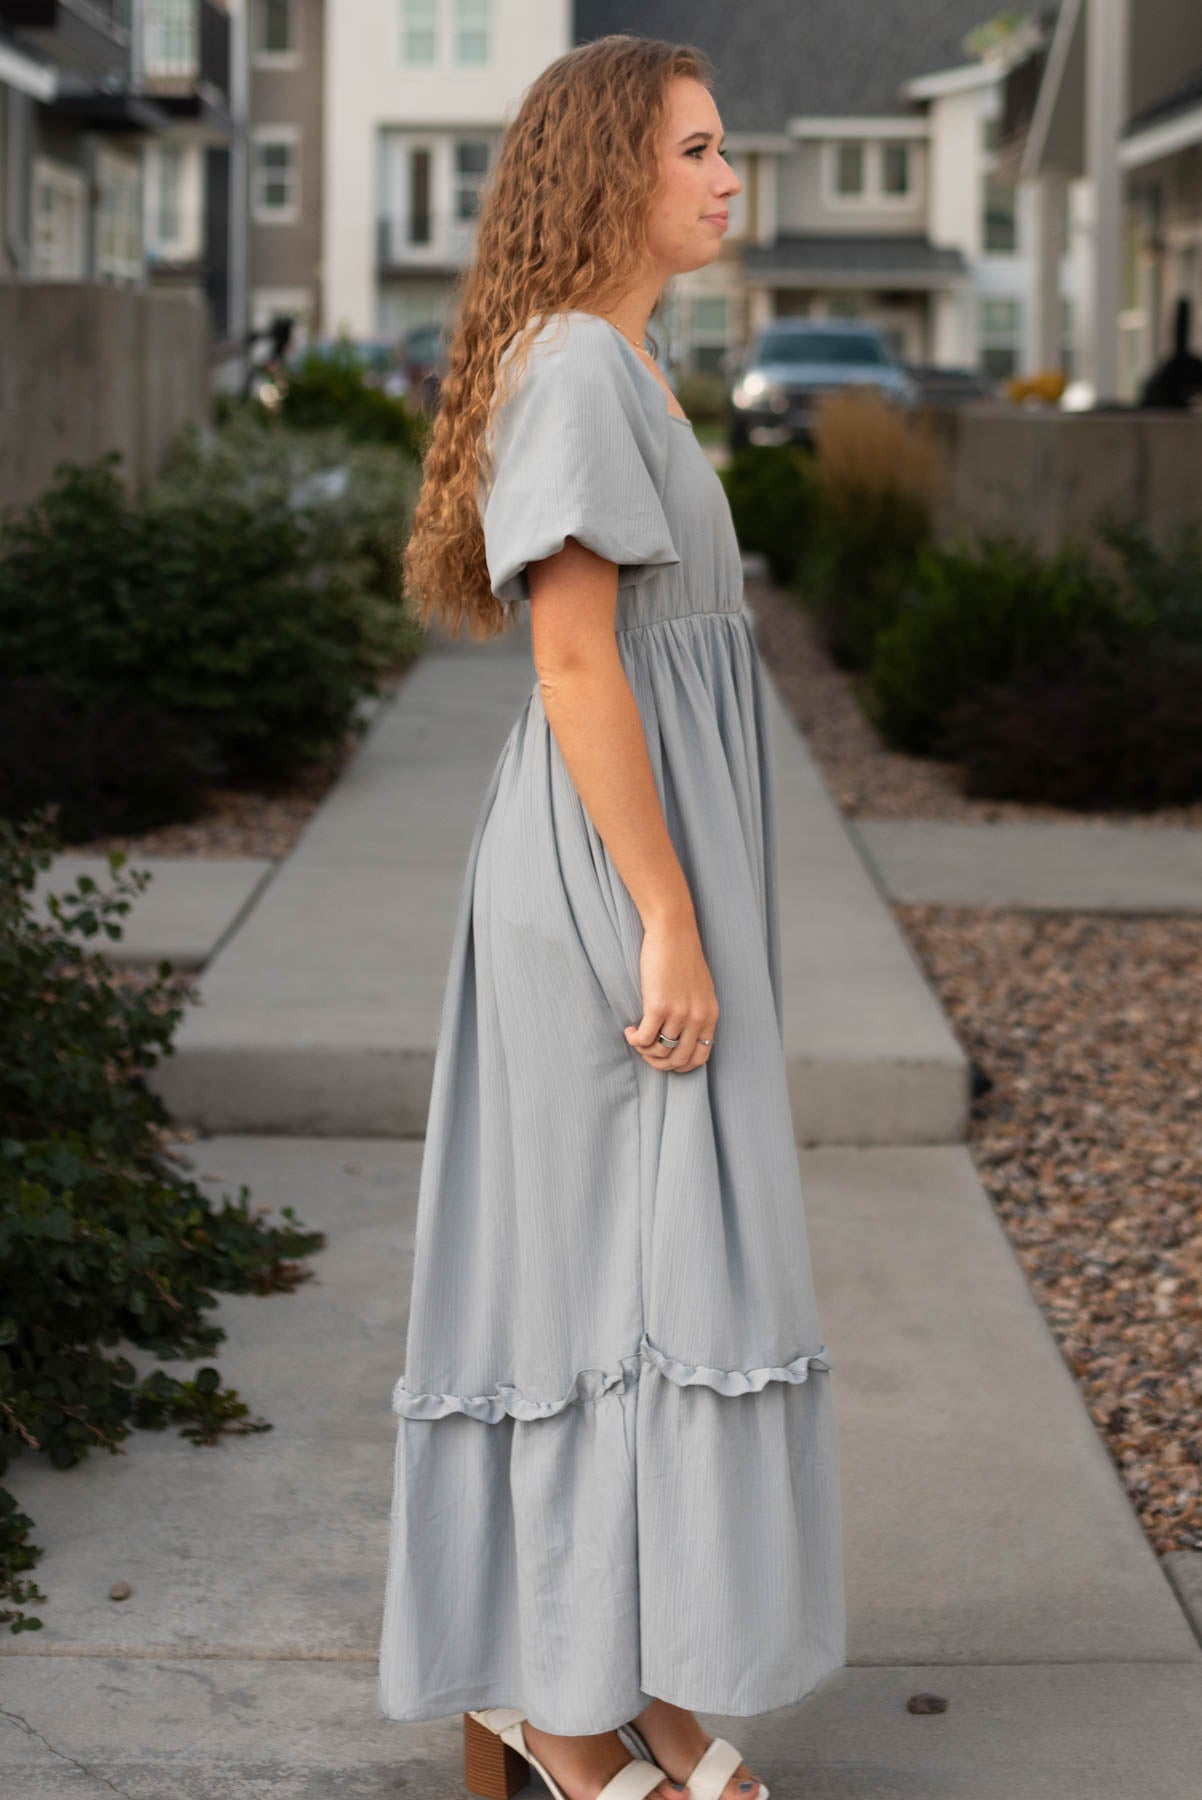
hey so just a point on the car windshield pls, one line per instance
(820, 347)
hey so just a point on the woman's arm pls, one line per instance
(596, 722)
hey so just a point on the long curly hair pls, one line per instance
(562, 227)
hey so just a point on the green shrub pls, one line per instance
(327, 388)
(772, 501)
(861, 560)
(110, 762)
(103, 1242)
(877, 475)
(1163, 582)
(242, 609)
(973, 616)
(1113, 730)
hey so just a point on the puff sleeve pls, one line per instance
(577, 452)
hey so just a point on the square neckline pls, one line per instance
(677, 418)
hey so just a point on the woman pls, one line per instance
(615, 1484)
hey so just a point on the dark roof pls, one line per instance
(1180, 99)
(775, 58)
(880, 254)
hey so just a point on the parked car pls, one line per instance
(792, 362)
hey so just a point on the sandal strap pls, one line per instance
(632, 1782)
(711, 1774)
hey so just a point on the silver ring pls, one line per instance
(661, 1039)
(705, 1040)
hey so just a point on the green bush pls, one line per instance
(773, 503)
(326, 388)
(103, 1242)
(973, 616)
(860, 562)
(243, 608)
(1113, 730)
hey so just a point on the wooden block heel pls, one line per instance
(491, 1767)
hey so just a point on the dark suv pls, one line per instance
(793, 361)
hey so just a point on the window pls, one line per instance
(709, 330)
(118, 222)
(168, 216)
(419, 31)
(471, 32)
(871, 172)
(170, 42)
(1000, 223)
(471, 166)
(895, 169)
(275, 31)
(275, 192)
(1000, 326)
(420, 219)
(58, 211)
(849, 167)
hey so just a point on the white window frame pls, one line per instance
(459, 29)
(164, 151)
(65, 184)
(448, 21)
(1000, 338)
(161, 21)
(263, 137)
(119, 179)
(459, 182)
(405, 25)
(872, 196)
(275, 59)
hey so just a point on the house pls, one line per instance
(417, 93)
(1112, 108)
(865, 136)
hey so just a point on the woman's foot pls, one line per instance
(677, 1743)
(583, 1765)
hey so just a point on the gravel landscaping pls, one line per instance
(1090, 1031)
(1085, 1032)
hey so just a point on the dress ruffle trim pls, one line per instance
(507, 1401)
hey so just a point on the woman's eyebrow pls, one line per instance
(704, 135)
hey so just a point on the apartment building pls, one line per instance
(285, 150)
(417, 93)
(70, 143)
(117, 131)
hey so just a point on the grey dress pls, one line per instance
(616, 1465)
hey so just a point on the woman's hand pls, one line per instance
(678, 996)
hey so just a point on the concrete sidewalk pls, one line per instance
(1041, 866)
(992, 1556)
(321, 1013)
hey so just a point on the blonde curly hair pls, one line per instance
(562, 227)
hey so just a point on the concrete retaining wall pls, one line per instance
(1045, 476)
(85, 369)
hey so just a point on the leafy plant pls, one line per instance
(103, 1241)
(976, 615)
(772, 502)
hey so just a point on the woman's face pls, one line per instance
(687, 218)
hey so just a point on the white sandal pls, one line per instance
(495, 1749)
(709, 1775)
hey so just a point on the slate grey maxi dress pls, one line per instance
(616, 1464)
